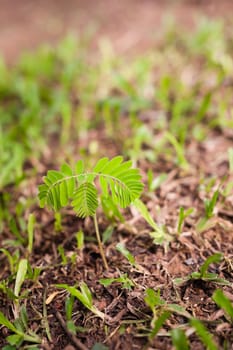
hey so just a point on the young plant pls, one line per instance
(203, 273)
(161, 310)
(20, 278)
(209, 211)
(183, 214)
(203, 334)
(126, 253)
(224, 303)
(159, 233)
(30, 231)
(179, 149)
(84, 296)
(179, 339)
(116, 178)
(126, 282)
(20, 330)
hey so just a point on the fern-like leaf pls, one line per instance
(85, 200)
(58, 188)
(117, 179)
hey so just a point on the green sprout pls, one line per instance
(209, 211)
(117, 180)
(83, 294)
(183, 214)
(20, 330)
(203, 273)
(224, 303)
(161, 310)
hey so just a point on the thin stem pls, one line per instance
(100, 243)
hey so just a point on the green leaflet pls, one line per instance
(117, 180)
(85, 200)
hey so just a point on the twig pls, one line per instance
(72, 337)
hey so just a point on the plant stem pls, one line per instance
(100, 243)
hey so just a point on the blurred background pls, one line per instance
(130, 24)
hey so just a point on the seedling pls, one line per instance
(183, 214)
(159, 234)
(180, 150)
(203, 273)
(210, 205)
(161, 310)
(20, 277)
(223, 302)
(117, 180)
(126, 253)
(62, 254)
(155, 183)
(209, 211)
(179, 339)
(84, 296)
(69, 311)
(30, 231)
(20, 330)
(80, 239)
(12, 259)
(203, 334)
(126, 282)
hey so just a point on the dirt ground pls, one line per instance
(129, 24)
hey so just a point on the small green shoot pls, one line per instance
(161, 310)
(179, 339)
(62, 254)
(183, 214)
(203, 273)
(45, 317)
(209, 212)
(155, 302)
(126, 282)
(69, 304)
(159, 233)
(84, 296)
(20, 278)
(159, 322)
(19, 335)
(12, 259)
(224, 303)
(126, 253)
(180, 152)
(107, 234)
(80, 239)
(210, 205)
(203, 334)
(155, 183)
(30, 231)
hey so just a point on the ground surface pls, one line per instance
(129, 23)
(132, 27)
